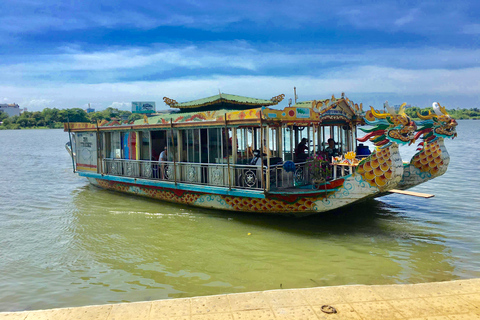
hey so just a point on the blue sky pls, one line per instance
(70, 53)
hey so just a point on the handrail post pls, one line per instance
(173, 147)
(268, 158)
(261, 150)
(71, 145)
(228, 157)
(99, 153)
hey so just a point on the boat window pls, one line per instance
(158, 141)
(190, 145)
(145, 145)
(287, 143)
(116, 150)
(107, 144)
(248, 140)
(172, 137)
(215, 145)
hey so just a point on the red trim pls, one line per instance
(86, 165)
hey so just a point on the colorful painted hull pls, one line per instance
(429, 163)
(301, 202)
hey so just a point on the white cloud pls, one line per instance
(409, 17)
(121, 105)
(115, 65)
(37, 104)
(457, 86)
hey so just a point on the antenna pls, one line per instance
(295, 94)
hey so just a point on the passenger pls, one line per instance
(300, 154)
(257, 161)
(162, 159)
(331, 150)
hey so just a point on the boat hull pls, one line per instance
(303, 202)
(430, 163)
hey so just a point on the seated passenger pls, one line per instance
(331, 151)
(300, 154)
(257, 160)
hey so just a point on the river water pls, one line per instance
(66, 243)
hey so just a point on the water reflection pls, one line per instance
(152, 250)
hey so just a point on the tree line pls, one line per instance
(54, 118)
(455, 113)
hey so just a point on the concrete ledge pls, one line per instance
(433, 301)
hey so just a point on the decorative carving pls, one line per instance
(129, 169)
(299, 176)
(113, 168)
(250, 178)
(217, 176)
(170, 102)
(169, 173)
(191, 174)
(278, 98)
(147, 170)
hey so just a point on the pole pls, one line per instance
(268, 157)
(174, 155)
(71, 145)
(99, 153)
(228, 157)
(261, 150)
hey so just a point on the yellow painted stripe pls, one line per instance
(82, 168)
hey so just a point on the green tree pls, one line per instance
(135, 116)
(3, 116)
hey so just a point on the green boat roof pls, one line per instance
(224, 101)
(303, 104)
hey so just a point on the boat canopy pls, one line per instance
(322, 112)
(222, 101)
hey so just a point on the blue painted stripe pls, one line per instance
(180, 186)
(126, 150)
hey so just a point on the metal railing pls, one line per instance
(222, 175)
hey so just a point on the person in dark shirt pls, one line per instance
(300, 154)
(331, 150)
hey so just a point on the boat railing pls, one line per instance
(221, 175)
(239, 176)
(280, 178)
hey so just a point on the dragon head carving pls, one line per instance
(437, 124)
(389, 127)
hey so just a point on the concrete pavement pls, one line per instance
(452, 300)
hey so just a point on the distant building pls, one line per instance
(89, 110)
(11, 109)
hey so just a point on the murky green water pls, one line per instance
(66, 243)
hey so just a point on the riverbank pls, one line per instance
(459, 299)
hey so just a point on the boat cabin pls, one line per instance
(224, 141)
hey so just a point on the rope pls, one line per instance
(328, 309)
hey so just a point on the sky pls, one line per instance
(69, 53)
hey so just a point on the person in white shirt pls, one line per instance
(161, 159)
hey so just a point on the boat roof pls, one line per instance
(328, 112)
(223, 101)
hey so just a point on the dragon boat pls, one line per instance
(432, 158)
(209, 145)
